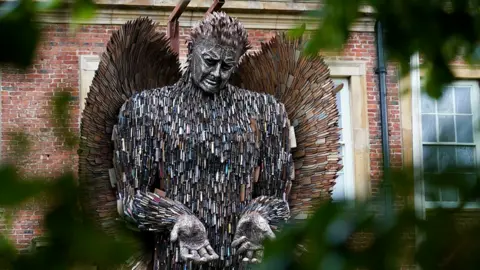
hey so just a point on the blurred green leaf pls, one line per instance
(20, 33)
(444, 243)
(83, 9)
(61, 115)
(16, 190)
(336, 17)
(7, 252)
(440, 31)
(20, 144)
(20, 28)
(46, 5)
(297, 32)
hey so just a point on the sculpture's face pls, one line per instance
(212, 65)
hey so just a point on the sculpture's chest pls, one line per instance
(212, 130)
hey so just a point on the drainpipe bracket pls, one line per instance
(380, 70)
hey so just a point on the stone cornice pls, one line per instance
(252, 6)
(261, 15)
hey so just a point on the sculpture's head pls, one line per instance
(214, 50)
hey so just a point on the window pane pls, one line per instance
(428, 104)
(446, 127)
(340, 125)
(342, 185)
(449, 195)
(464, 128)
(431, 192)
(462, 100)
(338, 192)
(339, 103)
(446, 157)
(341, 150)
(471, 180)
(465, 156)
(447, 132)
(445, 103)
(340, 116)
(429, 128)
(430, 158)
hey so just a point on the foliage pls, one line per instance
(328, 237)
(74, 240)
(61, 113)
(21, 32)
(441, 31)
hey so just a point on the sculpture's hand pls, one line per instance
(252, 230)
(192, 238)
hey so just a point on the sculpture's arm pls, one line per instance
(276, 165)
(271, 208)
(255, 225)
(155, 213)
(152, 212)
(277, 170)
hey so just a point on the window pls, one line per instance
(449, 138)
(344, 188)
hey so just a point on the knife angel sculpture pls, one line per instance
(201, 159)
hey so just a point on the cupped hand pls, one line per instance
(252, 230)
(192, 238)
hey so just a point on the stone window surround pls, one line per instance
(355, 72)
(411, 123)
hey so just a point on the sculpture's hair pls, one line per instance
(223, 29)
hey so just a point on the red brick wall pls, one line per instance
(26, 100)
(26, 106)
(361, 47)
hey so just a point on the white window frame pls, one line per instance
(88, 67)
(420, 202)
(183, 62)
(347, 143)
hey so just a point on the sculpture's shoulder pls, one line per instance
(264, 101)
(143, 109)
(150, 94)
(150, 97)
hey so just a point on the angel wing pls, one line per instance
(303, 84)
(137, 58)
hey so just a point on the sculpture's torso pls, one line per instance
(202, 151)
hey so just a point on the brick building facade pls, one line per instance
(68, 60)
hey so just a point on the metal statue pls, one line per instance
(200, 142)
(203, 164)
